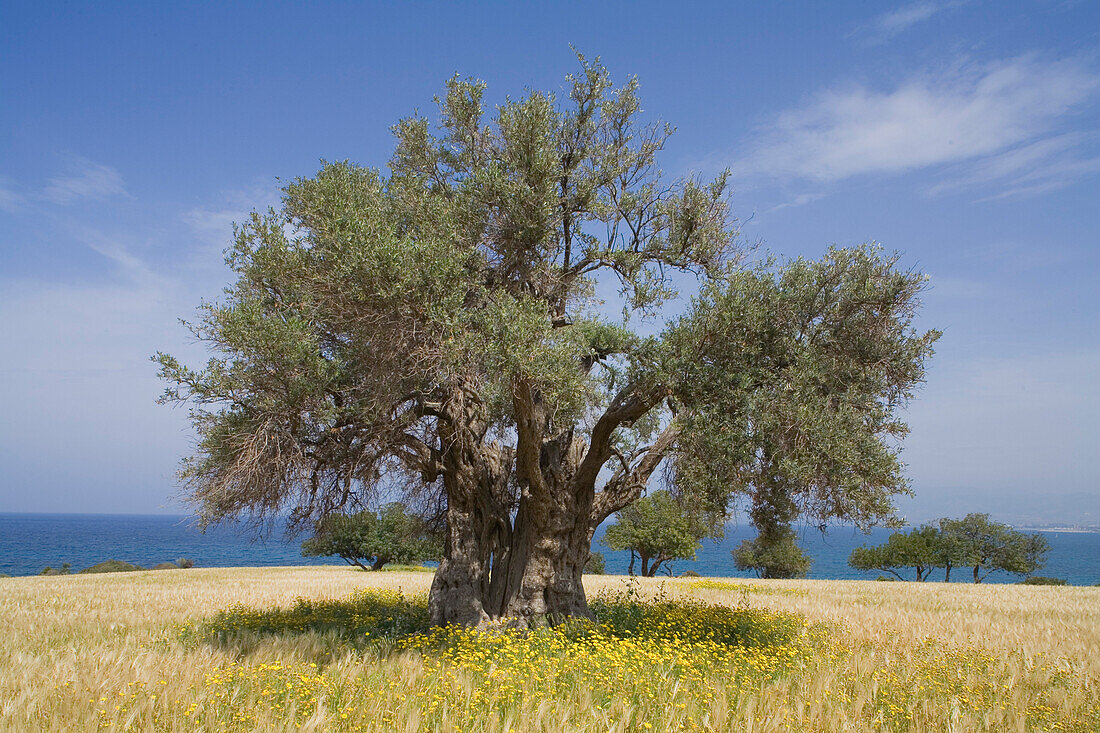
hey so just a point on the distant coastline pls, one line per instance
(31, 542)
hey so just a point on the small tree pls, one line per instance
(595, 564)
(658, 529)
(391, 535)
(988, 546)
(919, 549)
(950, 552)
(773, 554)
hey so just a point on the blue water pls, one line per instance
(1074, 556)
(30, 542)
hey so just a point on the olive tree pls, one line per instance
(921, 549)
(433, 331)
(391, 535)
(772, 554)
(987, 546)
(658, 529)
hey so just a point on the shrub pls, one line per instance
(397, 568)
(166, 566)
(112, 566)
(1042, 580)
(63, 570)
(690, 574)
(185, 563)
(363, 615)
(774, 554)
(595, 564)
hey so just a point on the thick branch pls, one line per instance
(530, 428)
(625, 487)
(629, 405)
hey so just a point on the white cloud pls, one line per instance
(86, 180)
(800, 200)
(212, 226)
(10, 201)
(964, 114)
(888, 25)
(1035, 167)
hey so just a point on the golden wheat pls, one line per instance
(132, 651)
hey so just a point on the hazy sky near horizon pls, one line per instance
(965, 135)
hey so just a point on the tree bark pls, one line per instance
(551, 539)
(520, 522)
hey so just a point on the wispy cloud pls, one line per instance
(132, 268)
(75, 366)
(884, 27)
(86, 180)
(1031, 168)
(213, 225)
(10, 200)
(966, 113)
(800, 200)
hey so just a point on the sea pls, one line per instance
(31, 542)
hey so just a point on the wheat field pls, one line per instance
(205, 650)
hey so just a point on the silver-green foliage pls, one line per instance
(975, 541)
(432, 331)
(391, 535)
(658, 529)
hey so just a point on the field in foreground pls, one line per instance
(327, 648)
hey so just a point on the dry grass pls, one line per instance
(107, 651)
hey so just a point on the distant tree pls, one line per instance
(773, 554)
(658, 529)
(950, 552)
(63, 570)
(392, 535)
(920, 549)
(1023, 554)
(185, 563)
(988, 546)
(595, 564)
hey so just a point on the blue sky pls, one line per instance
(966, 135)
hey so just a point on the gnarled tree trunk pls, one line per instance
(520, 521)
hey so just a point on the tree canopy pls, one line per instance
(433, 331)
(772, 554)
(974, 541)
(921, 549)
(390, 535)
(658, 529)
(986, 546)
